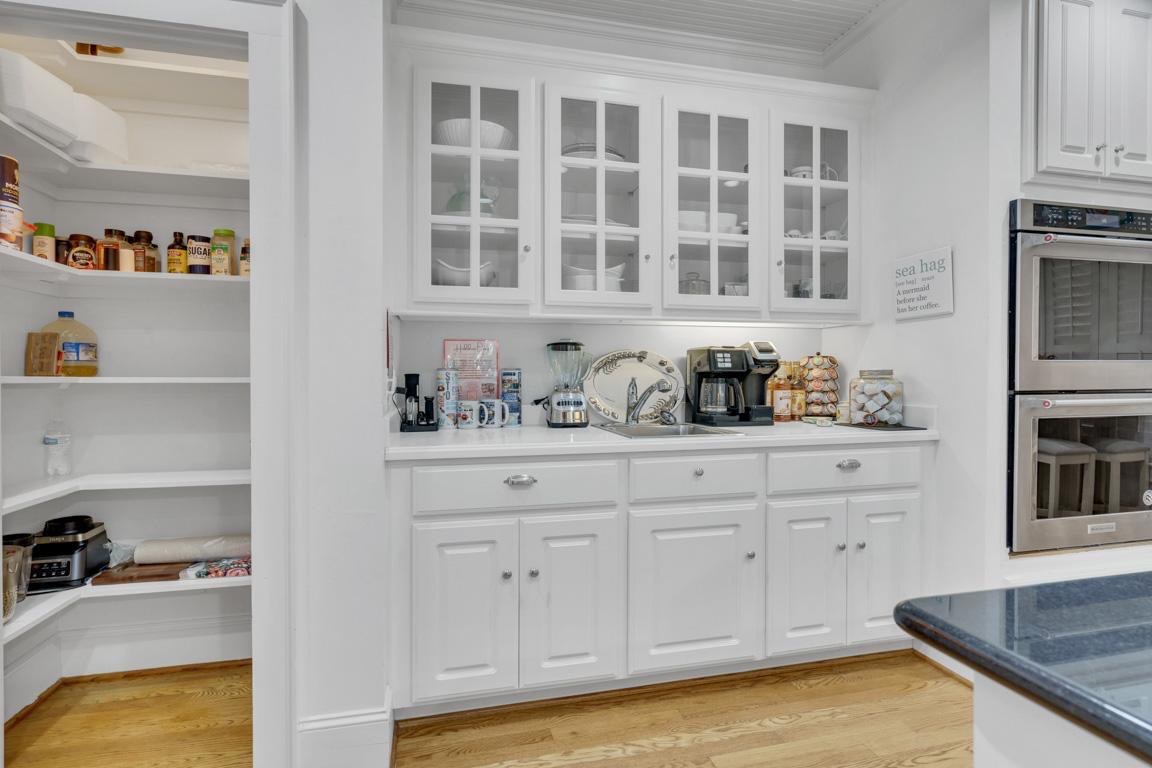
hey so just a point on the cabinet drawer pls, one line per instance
(695, 476)
(842, 468)
(513, 486)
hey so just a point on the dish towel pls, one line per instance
(217, 569)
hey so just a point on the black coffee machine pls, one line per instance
(728, 385)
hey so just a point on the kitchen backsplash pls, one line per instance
(419, 347)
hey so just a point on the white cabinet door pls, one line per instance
(715, 220)
(1072, 90)
(695, 586)
(806, 574)
(475, 188)
(602, 196)
(1130, 89)
(464, 608)
(883, 562)
(571, 599)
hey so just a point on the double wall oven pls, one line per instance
(1080, 376)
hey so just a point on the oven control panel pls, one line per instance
(1075, 217)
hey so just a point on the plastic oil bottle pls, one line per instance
(78, 342)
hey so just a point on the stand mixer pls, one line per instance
(567, 406)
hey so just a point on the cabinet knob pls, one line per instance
(1101, 147)
(861, 544)
(506, 575)
(848, 464)
(1119, 149)
(533, 572)
(513, 481)
(699, 472)
(527, 249)
(671, 258)
(647, 257)
(841, 547)
(750, 555)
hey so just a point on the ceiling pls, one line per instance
(806, 28)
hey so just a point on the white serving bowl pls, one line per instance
(615, 272)
(579, 282)
(446, 274)
(456, 132)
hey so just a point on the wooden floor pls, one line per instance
(886, 711)
(200, 716)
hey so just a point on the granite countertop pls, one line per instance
(1084, 647)
(544, 442)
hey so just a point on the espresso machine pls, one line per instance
(728, 385)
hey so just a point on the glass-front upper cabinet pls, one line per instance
(816, 233)
(602, 164)
(474, 203)
(715, 221)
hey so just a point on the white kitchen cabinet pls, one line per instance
(838, 566)
(807, 568)
(883, 562)
(817, 228)
(571, 600)
(715, 220)
(1130, 88)
(464, 607)
(475, 191)
(602, 197)
(695, 586)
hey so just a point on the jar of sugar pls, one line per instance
(876, 398)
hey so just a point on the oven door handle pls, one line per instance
(1055, 402)
(1033, 240)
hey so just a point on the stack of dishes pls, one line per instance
(582, 279)
(588, 149)
(446, 274)
(457, 132)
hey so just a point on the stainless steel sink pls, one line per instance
(665, 430)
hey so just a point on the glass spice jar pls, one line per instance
(876, 398)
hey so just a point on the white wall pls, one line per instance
(928, 188)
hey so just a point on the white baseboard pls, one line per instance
(954, 666)
(356, 739)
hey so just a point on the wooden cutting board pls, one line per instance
(129, 573)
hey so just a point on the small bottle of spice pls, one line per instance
(61, 250)
(127, 252)
(223, 252)
(81, 252)
(199, 255)
(246, 258)
(178, 255)
(44, 241)
(141, 239)
(108, 251)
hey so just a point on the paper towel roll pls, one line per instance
(191, 550)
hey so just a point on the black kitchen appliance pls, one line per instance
(413, 416)
(67, 552)
(741, 373)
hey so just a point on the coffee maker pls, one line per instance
(727, 385)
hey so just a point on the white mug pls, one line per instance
(490, 413)
(467, 414)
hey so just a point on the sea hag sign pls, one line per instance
(924, 284)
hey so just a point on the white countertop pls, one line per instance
(545, 442)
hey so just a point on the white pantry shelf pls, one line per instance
(28, 271)
(30, 496)
(42, 160)
(88, 381)
(37, 609)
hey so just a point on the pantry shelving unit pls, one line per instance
(39, 493)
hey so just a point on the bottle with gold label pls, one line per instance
(780, 393)
(178, 255)
(799, 392)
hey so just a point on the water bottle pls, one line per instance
(57, 449)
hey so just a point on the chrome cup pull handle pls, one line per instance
(520, 481)
(847, 465)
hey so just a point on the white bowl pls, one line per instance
(457, 132)
(801, 172)
(726, 222)
(613, 272)
(579, 282)
(614, 284)
(695, 221)
(446, 274)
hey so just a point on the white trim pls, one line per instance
(861, 30)
(944, 660)
(352, 718)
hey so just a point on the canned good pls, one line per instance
(12, 225)
(9, 180)
(447, 395)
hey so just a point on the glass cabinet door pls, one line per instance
(712, 217)
(473, 147)
(816, 259)
(601, 207)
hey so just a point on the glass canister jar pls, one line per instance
(876, 397)
(12, 557)
(25, 542)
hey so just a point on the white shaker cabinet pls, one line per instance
(883, 562)
(464, 606)
(715, 220)
(571, 601)
(475, 192)
(1072, 89)
(695, 586)
(1130, 88)
(602, 197)
(807, 562)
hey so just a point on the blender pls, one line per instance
(567, 406)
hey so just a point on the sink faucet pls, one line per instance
(636, 403)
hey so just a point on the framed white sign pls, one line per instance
(924, 284)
